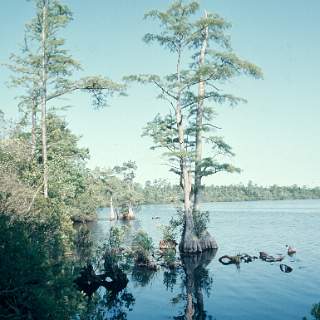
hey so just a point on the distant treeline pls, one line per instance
(161, 191)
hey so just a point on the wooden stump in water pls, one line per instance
(112, 213)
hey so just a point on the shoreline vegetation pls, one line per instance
(232, 193)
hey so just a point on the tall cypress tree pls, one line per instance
(211, 62)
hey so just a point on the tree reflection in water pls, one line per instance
(142, 276)
(110, 306)
(196, 281)
(195, 278)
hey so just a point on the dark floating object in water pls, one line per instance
(291, 250)
(285, 268)
(225, 260)
(247, 258)
(156, 218)
(88, 281)
(268, 258)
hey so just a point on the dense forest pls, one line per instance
(160, 191)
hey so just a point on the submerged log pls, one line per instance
(89, 282)
(226, 260)
(268, 258)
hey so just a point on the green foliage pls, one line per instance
(37, 233)
(182, 31)
(83, 244)
(142, 246)
(177, 222)
(169, 232)
(200, 220)
(116, 237)
(97, 188)
(199, 73)
(161, 191)
(169, 258)
(252, 191)
(122, 188)
(176, 27)
(60, 66)
(112, 254)
(39, 280)
(15, 193)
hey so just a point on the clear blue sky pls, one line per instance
(275, 135)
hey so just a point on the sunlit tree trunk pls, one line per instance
(112, 213)
(199, 125)
(189, 241)
(206, 240)
(44, 99)
(130, 215)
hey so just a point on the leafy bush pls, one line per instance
(169, 257)
(200, 220)
(142, 246)
(169, 233)
(38, 281)
(116, 237)
(84, 244)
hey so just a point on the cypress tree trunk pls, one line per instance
(130, 213)
(206, 240)
(44, 101)
(199, 126)
(112, 214)
(189, 241)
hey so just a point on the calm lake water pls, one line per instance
(258, 290)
